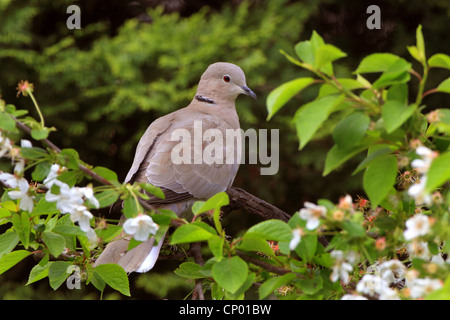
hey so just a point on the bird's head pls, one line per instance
(223, 81)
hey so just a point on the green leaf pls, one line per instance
(33, 153)
(439, 60)
(251, 242)
(44, 207)
(22, 226)
(396, 73)
(309, 286)
(326, 54)
(58, 273)
(379, 178)
(69, 158)
(414, 52)
(130, 207)
(40, 133)
(240, 293)
(38, 273)
(216, 201)
(8, 241)
(377, 62)
(6, 122)
(310, 117)
(107, 234)
(349, 84)
(230, 273)
(4, 213)
(54, 242)
(337, 156)
(156, 191)
(107, 197)
(106, 173)
(349, 131)
(307, 247)
(189, 270)
(41, 171)
(270, 285)
(354, 229)
(215, 244)
(192, 232)
(399, 93)
(395, 113)
(444, 86)
(278, 97)
(11, 259)
(420, 43)
(305, 52)
(114, 276)
(372, 155)
(439, 172)
(272, 229)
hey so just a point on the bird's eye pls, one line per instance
(226, 78)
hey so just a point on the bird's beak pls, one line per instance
(247, 91)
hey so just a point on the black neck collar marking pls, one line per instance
(204, 99)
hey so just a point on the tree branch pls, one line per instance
(240, 198)
(197, 294)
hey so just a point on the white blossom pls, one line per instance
(81, 215)
(26, 201)
(72, 201)
(417, 191)
(52, 175)
(416, 226)
(427, 155)
(88, 193)
(353, 297)
(25, 143)
(67, 198)
(371, 285)
(392, 271)
(5, 146)
(387, 293)
(19, 167)
(312, 214)
(421, 287)
(342, 267)
(140, 227)
(92, 237)
(296, 238)
(9, 179)
(419, 249)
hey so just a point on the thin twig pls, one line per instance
(197, 294)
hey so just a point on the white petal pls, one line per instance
(312, 224)
(26, 203)
(15, 194)
(25, 143)
(130, 226)
(423, 151)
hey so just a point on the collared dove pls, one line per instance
(184, 183)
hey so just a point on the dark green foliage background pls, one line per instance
(134, 61)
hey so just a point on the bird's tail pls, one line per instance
(139, 259)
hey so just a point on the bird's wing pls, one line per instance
(197, 180)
